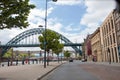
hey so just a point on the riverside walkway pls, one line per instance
(98, 70)
(26, 72)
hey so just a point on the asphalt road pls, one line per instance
(70, 71)
(104, 71)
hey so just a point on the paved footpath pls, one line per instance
(26, 72)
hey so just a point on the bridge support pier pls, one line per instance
(80, 51)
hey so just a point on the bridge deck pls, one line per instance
(36, 45)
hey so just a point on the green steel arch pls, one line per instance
(31, 32)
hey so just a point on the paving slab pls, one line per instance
(26, 72)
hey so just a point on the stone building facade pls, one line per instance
(96, 46)
(117, 27)
(109, 39)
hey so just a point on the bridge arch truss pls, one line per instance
(31, 32)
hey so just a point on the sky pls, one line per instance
(74, 19)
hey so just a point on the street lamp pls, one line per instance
(17, 57)
(45, 31)
(28, 57)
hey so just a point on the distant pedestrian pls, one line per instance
(23, 62)
(2, 65)
(26, 61)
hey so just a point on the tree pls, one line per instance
(8, 54)
(58, 49)
(22, 55)
(66, 54)
(52, 40)
(14, 13)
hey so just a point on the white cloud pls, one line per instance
(96, 12)
(4, 33)
(55, 25)
(72, 28)
(68, 2)
(38, 15)
(7, 34)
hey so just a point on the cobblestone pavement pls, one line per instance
(26, 72)
(103, 71)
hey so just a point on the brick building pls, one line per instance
(87, 45)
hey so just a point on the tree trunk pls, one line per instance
(0, 56)
(0, 59)
(58, 58)
(61, 58)
(12, 59)
(48, 58)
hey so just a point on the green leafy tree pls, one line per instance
(52, 40)
(22, 55)
(14, 13)
(58, 49)
(32, 55)
(67, 54)
(9, 54)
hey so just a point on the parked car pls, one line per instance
(84, 60)
(70, 60)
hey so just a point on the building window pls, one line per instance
(119, 50)
(116, 54)
(118, 25)
(105, 29)
(112, 23)
(110, 39)
(112, 54)
(114, 38)
(109, 26)
(119, 39)
(105, 42)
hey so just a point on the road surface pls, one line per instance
(70, 71)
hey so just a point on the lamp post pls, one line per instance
(28, 57)
(17, 57)
(45, 41)
(0, 54)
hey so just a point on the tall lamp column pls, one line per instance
(45, 42)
